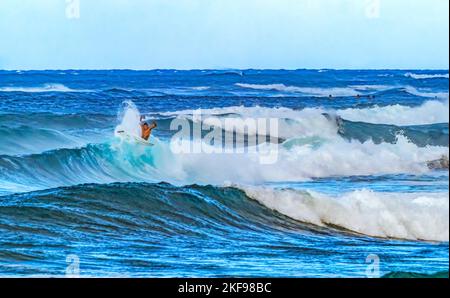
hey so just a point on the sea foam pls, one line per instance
(40, 89)
(412, 216)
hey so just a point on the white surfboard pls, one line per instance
(134, 138)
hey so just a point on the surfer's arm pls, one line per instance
(154, 125)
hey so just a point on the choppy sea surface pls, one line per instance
(350, 194)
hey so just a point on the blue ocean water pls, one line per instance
(352, 179)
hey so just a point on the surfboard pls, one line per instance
(134, 138)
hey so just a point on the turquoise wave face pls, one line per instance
(103, 163)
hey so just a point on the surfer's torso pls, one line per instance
(146, 130)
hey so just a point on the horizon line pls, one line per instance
(223, 69)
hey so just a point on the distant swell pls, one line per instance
(27, 140)
(422, 125)
(39, 89)
(426, 76)
(322, 92)
(348, 91)
(430, 112)
(421, 135)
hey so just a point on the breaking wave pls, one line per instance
(432, 111)
(44, 88)
(387, 215)
(426, 76)
(349, 91)
(300, 160)
(320, 92)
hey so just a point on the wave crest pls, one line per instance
(50, 87)
(430, 112)
(426, 76)
(386, 215)
(126, 162)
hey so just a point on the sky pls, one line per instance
(218, 34)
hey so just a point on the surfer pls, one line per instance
(146, 129)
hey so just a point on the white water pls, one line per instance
(352, 90)
(312, 91)
(432, 111)
(200, 88)
(426, 76)
(44, 88)
(129, 117)
(426, 93)
(411, 216)
(312, 120)
(333, 158)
